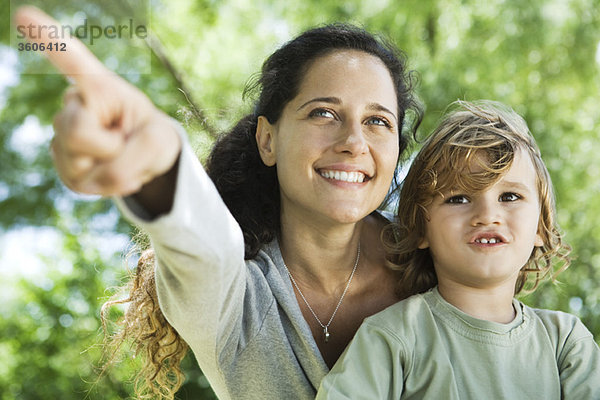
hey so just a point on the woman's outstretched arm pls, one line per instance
(112, 141)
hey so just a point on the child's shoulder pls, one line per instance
(552, 317)
(559, 325)
(403, 318)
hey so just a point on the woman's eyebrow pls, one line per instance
(379, 107)
(332, 100)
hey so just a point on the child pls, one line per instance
(476, 227)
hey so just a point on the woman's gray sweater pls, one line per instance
(240, 318)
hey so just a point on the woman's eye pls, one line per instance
(379, 121)
(322, 113)
(459, 199)
(509, 197)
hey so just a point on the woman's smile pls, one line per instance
(343, 176)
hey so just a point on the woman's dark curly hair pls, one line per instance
(249, 188)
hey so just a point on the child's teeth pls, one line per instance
(488, 241)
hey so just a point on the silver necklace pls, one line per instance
(326, 326)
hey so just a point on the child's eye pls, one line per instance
(378, 121)
(508, 197)
(458, 199)
(321, 113)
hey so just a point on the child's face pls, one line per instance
(483, 239)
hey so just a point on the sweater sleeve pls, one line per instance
(200, 272)
(579, 364)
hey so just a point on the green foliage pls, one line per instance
(541, 57)
(50, 331)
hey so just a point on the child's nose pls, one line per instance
(486, 212)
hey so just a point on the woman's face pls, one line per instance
(336, 143)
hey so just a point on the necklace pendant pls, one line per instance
(326, 333)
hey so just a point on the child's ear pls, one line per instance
(265, 139)
(424, 244)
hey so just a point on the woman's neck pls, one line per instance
(319, 254)
(321, 258)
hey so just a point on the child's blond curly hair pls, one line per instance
(486, 134)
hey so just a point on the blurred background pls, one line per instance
(61, 253)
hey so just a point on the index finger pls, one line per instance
(77, 61)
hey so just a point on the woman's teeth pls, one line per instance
(354, 176)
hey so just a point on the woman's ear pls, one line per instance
(265, 139)
(423, 244)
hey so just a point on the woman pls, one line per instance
(267, 297)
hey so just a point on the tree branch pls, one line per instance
(157, 48)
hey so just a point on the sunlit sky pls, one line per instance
(21, 248)
(8, 71)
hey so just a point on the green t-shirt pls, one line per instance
(425, 348)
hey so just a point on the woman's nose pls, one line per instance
(352, 139)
